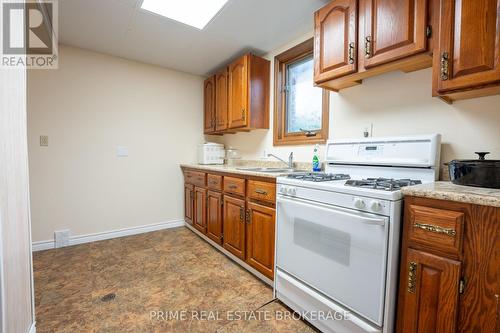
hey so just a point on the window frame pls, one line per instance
(280, 136)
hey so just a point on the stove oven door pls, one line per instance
(339, 252)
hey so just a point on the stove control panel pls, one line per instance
(287, 190)
(369, 205)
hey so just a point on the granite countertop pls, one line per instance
(448, 191)
(236, 168)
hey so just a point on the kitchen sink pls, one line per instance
(270, 170)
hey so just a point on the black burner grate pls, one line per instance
(383, 183)
(318, 176)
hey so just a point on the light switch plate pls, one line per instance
(122, 151)
(44, 140)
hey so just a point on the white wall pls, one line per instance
(397, 104)
(88, 107)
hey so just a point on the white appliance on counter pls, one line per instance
(211, 153)
(338, 232)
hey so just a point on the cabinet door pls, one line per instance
(430, 295)
(260, 238)
(214, 216)
(238, 93)
(394, 29)
(209, 105)
(200, 209)
(335, 40)
(469, 44)
(221, 107)
(234, 226)
(188, 203)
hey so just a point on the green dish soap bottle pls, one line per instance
(316, 163)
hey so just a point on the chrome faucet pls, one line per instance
(290, 159)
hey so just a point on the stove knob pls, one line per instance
(359, 203)
(292, 191)
(376, 206)
(283, 189)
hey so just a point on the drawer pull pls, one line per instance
(260, 191)
(232, 186)
(436, 229)
(412, 276)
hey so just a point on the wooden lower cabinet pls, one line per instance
(234, 212)
(214, 216)
(260, 238)
(234, 226)
(431, 296)
(188, 203)
(200, 209)
(449, 275)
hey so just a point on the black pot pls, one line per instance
(481, 172)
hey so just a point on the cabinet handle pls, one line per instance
(248, 216)
(232, 186)
(243, 113)
(242, 213)
(444, 66)
(412, 276)
(351, 53)
(260, 191)
(435, 229)
(368, 46)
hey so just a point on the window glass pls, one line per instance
(303, 100)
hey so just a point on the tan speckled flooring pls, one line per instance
(156, 277)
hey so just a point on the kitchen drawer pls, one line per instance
(214, 182)
(438, 229)
(261, 191)
(234, 185)
(195, 177)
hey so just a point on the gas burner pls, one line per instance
(383, 183)
(318, 176)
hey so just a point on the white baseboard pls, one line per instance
(80, 239)
(33, 328)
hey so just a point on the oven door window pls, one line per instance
(342, 253)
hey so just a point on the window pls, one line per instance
(300, 108)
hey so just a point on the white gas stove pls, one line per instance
(337, 244)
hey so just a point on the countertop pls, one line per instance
(449, 191)
(248, 164)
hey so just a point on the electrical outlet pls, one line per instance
(44, 140)
(61, 238)
(122, 151)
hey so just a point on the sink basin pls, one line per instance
(270, 170)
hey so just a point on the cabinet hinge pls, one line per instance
(428, 31)
(461, 287)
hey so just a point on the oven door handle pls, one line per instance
(381, 221)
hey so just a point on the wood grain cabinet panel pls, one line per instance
(335, 40)
(214, 182)
(261, 191)
(234, 226)
(200, 209)
(214, 216)
(430, 302)
(260, 238)
(238, 93)
(449, 281)
(188, 203)
(394, 29)
(234, 185)
(221, 100)
(209, 105)
(468, 55)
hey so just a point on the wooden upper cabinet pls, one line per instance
(468, 55)
(248, 97)
(234, 226)
(221, 100)
(393, 29)
(260, 238)
(335, 40)
(238, 93)
(209, 105)
(430, 296)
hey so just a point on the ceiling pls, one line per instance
(122, 28)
